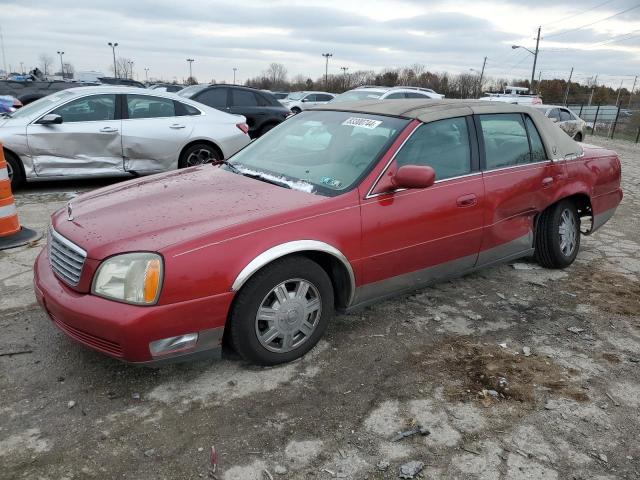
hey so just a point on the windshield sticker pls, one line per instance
(331, 182)
(361, 122)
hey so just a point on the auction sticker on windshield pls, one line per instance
(361, 122)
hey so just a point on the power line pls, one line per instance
(578, 14)
(592, 23)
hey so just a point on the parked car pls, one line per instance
(30, 91)
(167, 87)
(9, 104)
(112, 131)
(337, 208)
(127, 82)
(515, 95)
(260, 108)
(278, 95)
(386, 93)
(568, 121)
(298, 101)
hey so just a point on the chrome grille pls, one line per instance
(66, 258)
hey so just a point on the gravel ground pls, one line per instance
(568, 409)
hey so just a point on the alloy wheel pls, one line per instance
(199, 157)
(568, 230)
(288, 315)
(10, 171)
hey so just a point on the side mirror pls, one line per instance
(305, 100)
(414, 176)
(50, 119)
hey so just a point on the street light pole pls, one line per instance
(115, 67)
(344, 73)
(234, 75)
(190, 60)
(326, 69)
(130, 63)
(146, 74)
(61, 64)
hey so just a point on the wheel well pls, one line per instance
(582, 203)
(578, 137)
(8, 152)
(206, 142)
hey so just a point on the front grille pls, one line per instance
(99, 343)
(66, 258)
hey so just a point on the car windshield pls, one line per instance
(189, 92)
(321, 152)
(42, 103)
(295, 95)
(354, 95)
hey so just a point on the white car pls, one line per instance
(115, 131)
(387, 93)
(515, 95)
(298, 101)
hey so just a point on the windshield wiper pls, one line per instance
(215, 163)
(266, 180)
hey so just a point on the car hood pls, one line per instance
(198, 204)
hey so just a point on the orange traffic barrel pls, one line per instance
(11, 233)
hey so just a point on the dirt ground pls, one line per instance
(450, 359)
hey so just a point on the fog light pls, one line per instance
(169, 345)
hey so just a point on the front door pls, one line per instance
(87, 142)
(413, 237)
(153, 133)
(520, 181)
(247, 103)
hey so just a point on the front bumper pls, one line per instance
(124, 331)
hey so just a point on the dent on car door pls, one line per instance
(87, 142)
(153, 133)
(415, 236)
(519, 180)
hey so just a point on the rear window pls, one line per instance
(506, 143)
(243, 98)
(214, 97)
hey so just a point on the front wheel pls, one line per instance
(13, 170)
(198, 154)
(282, 311)
(558, 235)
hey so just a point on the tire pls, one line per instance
(198, 154)
(14, 168)
(553, 249)
(266, 128)
(578, 137)
(258, 310)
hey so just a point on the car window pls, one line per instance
(505, 140)
(147, 106)
(323, 97)
(312, 97)
(243, 98)
(443, 145)
(88, 109)
(392, 96)
(214, 97)
(554, 113)
(416, 95)
(182, 109)
(537, 148)
(565, 116)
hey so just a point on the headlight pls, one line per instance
(131, 277)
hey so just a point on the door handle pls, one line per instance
(176, 126)
(467, 200)
(108, 130)
(547, 182)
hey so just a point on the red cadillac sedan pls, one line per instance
(334, 209)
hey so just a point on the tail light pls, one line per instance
(244, 127)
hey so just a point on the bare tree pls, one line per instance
(123, 67)
(191, 81)
(45, 61)
(276, 74)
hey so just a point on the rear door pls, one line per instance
(245, 102)
(412, 237)
(520, 181)
(153, 133)
(87, 142)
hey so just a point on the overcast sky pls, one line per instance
(449, 36)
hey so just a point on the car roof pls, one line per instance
(428, 110)
(121, 89)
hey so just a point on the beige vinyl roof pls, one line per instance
(558, 144)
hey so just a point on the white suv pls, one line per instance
(298, 101)
(386, 93)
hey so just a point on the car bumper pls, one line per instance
(124, 331)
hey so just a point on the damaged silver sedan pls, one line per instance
(115, 131)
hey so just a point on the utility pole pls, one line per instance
(619, 92)
(632, 89)
(115, 66)
(326, 69)
(190, 60)
(535, 60)
(479, 91)
(566, 92)
(593, 87)
(234, 75)
(61, 64)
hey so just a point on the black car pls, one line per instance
(261, 109)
